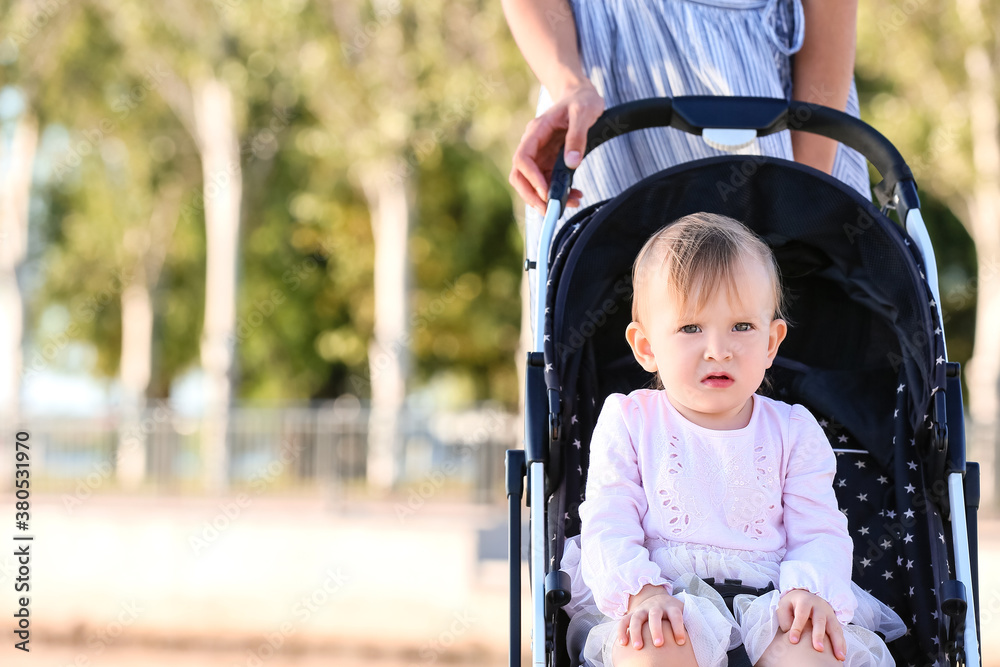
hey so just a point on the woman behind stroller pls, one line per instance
(704, 478)
(592, 53)
(588, 54)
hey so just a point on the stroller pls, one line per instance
(866, 356)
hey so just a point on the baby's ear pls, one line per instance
(641, 348)
(777, 332)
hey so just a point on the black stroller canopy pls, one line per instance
(854, 289)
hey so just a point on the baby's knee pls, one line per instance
(669, 654)
(783, 653)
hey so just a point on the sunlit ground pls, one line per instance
(118, 582)
(138, 656)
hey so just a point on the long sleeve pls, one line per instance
(615, 561)
(819, 549)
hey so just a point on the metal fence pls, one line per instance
(280, 448)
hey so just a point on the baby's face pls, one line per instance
(711, 361)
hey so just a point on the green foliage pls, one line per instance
(912, 86)
(307, 259)
(467, 258)
(322, 92)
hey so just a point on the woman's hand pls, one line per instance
(569, 119)
(797, 607)
(650, 606)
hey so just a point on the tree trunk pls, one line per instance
(15, 191)
(218, 144)
(149, 246)
(136, 357)
(983, 372)
(389, 353)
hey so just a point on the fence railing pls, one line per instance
(278, 448)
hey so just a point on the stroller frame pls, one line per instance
(728, 121)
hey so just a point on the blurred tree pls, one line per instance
(17, 154)
(194, 46)
(29, 56)
(935, 62)
(468, 269)
(320, 97)
(105, 252)
(407, 79)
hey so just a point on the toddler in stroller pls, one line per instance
(865, 356)
(702, 479)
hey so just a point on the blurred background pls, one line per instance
(261, 313)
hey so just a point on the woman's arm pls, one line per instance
(545, 31)
(822, 71)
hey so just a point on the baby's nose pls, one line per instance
(718, 349)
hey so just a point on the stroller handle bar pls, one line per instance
(694, 114)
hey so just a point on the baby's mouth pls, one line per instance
(717, 380)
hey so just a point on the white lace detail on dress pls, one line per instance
(698, 480)
(682, 495)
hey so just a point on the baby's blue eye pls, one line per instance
(690, 328)
(742, 326)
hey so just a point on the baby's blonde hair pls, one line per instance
(696, 254)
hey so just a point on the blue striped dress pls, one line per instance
(635, 49)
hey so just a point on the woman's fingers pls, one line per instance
(526, 190)
(576, 137)
(567, 121)
(583, 111)
(525, 164)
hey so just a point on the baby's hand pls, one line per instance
(652, 607)
(797, 607)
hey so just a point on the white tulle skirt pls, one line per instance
(711, 628)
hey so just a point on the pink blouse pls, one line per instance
(765, 490)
